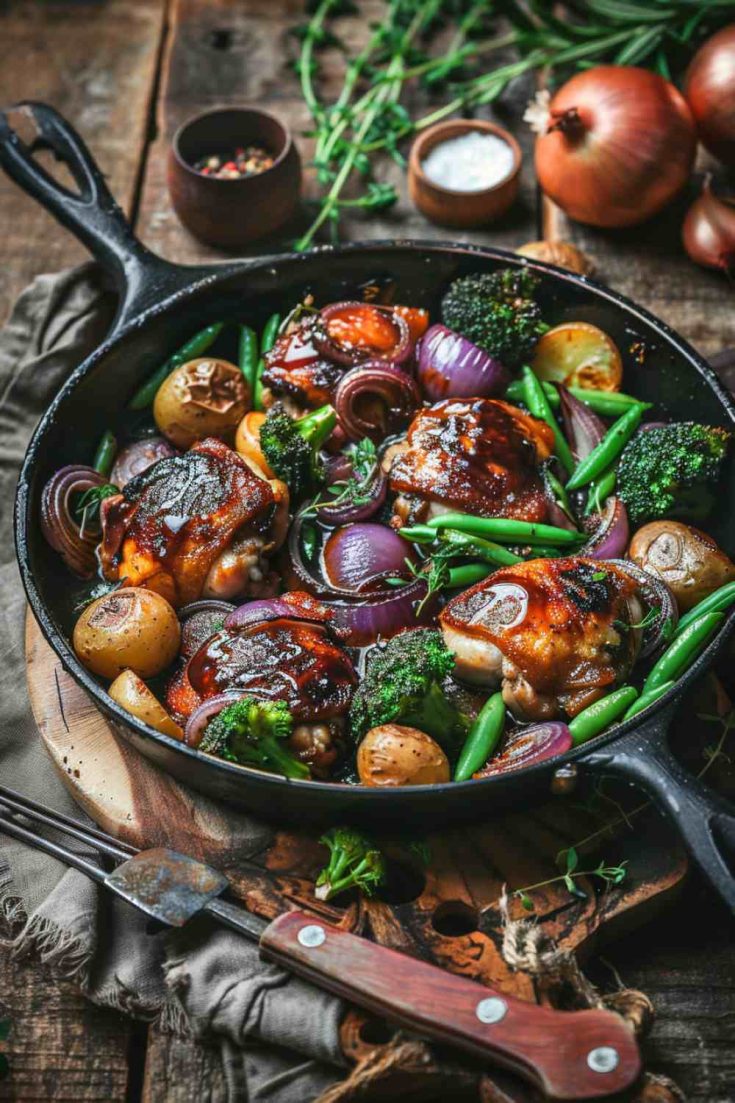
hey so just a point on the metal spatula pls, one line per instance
(568, 1054)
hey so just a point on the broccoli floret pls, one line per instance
(403, 685)
(251, 732)
(354, 862)
(291, 446)
(671, 471)
(497, 311)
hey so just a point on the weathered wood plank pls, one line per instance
(60, 1047)
(179, 1070)
(96, 64)
(218, 53)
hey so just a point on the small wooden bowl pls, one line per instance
(231, 213)
(461, 209)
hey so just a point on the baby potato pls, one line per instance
(578, 354)
(689, 561)
(203, 398)
(392, 754)
(247, 441)
(130, 628)
(132, 694)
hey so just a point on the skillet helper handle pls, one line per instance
(568, 1054)
(706, 821)
(90, 213)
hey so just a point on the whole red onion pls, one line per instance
(709, 89)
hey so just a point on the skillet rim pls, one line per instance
(219, 273)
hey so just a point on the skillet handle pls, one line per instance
(706, 821)
(568, 1054)
(91, 213)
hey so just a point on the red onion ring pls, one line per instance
(349, 511)
(331, 348)
(529, 746)
(196, 725)
(361, 556)
(450, 366)
(277, 608)
(199, 621)
(375, 400)
(58, 525)
(582, 427)
(656, 594)
(610, 539)
(137, 457)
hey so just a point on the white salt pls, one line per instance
(472, 162)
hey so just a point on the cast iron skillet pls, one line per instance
(161, 304)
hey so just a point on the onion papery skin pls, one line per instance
(708, 232)
(58, 524)
(341, 353)
(199, 620)
(619, 146)
(610, 539)
(375, 400)
(582, 427)
(360, 618)
(709, 89)
(351, 511)
(197, 723)
(656, 594)
(530, 746)
(138, 457)
(450, 366)
(359, 557)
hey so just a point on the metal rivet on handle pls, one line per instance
(491, 1010)
(603, 1059)
(311, 936)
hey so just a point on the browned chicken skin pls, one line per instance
(193, 525)
(477, 455)
(558, 633)
(296, 368)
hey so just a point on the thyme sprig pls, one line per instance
(407, 47)
(568, 859)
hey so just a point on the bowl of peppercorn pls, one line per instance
(234, 175)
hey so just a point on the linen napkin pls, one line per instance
(279, 1037)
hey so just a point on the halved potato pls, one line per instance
(394, 754)
(132, 694)
(578, 354)
(129, 628)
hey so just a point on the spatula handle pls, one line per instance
(568, 1054)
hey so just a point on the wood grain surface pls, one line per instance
(100, 64)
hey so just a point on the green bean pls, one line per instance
(104, 457)
(507, 531)
(194, 347)
(461, 577)
(647, 699)
(606, 403)
(267, 341)
(247, 354)
(482, 738)
(716, 602)
(418, 534)
(600, 490)
(476, 547)
(538, 405)
(684, 650)
(608, 450)
(594, 719)
(560, 493)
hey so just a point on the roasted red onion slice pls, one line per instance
(529, 746)
(582, 427)
(374, 496)
(354, 332)
(375, 400)
(450, 366)
(138, 457)
(200, 620)
(656, 595)
(196, 725)
(58, 524)
(610, 539)
(277, 608)
(360, 557)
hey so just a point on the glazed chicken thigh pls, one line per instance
(477, 455)
(193, 526)
(555, 633)
(297, 370)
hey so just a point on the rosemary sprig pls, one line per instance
(88, 506)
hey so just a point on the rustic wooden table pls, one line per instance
(127, 72)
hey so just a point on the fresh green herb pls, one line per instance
(599, 576)
(354, 862)
(651, 616)
(87, 507)
(356, 489)
(568, 861)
